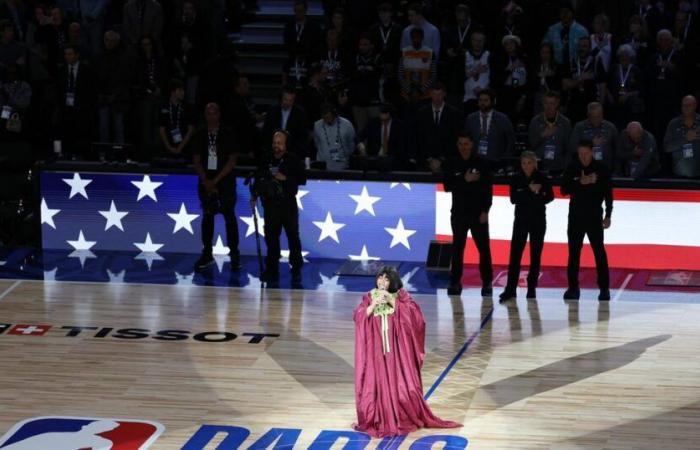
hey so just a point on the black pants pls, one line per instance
(480, 234)
(521, 229)
(278, 215)
(576, 231)
(227, 206)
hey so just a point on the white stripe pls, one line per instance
(619, 292)
(10, 289)
(633, 222)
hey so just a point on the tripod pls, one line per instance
(250, 182)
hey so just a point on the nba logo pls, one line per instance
(77, 433)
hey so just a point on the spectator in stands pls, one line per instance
(468, 177)
(600, 132)
(602, 40)
(682, 140)
(664, 82)
(639, 156)
(455, 41)
(11, 51)
(638, 38)
(113, 77)
(77, 103)
(241, 116)
(549, 134)
(16, 12)
(417, 69)
(347, 38)
(530, 191)
(334, 137)
(545, 76)
(91, 23)
(431, 35)
(214, 156)
(335, 61)
(382, 142)
(491, 130)
(588, 184)
(583, 81)
(316, 93)
(513, 21)
(364, 83)
(290, 117)
(684, 33)
(564, 36)
(477, 69)
(143, 18)
(15, 97)
(301, 34)
(150, 75)
(53, 36)
(386, 36)
(436, 128)
(76, 39)
(624, 89)
(654, 15)
(510, 76)
(193, 44)
(176, 122)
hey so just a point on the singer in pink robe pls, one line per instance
(389, 354)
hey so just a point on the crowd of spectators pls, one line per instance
(371, 85)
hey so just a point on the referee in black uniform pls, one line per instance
(530, 191)
(469, 178)
(588, 184)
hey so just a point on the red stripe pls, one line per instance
(639, 195)
(620, 256)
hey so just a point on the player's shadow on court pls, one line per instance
(561, 373)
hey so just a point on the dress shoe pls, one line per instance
(486, 291)
(454, 289)
(506, 296)
(572, 294)
(604, 295)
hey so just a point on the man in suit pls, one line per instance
(436, 129)
(291, 118)
(381, 142)
(491, 130)
(77, 102)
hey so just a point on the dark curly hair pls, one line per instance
(392, 274)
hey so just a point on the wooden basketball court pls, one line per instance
(532, 375)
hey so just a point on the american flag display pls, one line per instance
(85, 212)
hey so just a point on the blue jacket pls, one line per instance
(553, 36)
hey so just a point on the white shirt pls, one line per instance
(285, 118)
(489, 115)
(383, 151)
(439, 111)
(482, 81)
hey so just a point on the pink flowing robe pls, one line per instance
(388, 387)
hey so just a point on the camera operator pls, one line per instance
(214, 157)
(277, 182)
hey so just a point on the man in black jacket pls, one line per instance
(588, 183)
(290, 117)
(214, 157)
(469, 179)
(280, 174)
(530, 191)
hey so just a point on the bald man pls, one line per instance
(682, 139)
(214, 156)
(639, 157)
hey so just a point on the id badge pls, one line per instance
(549, 152)
(176, 135)
(483, 147)
(6, 112)
(688, 151)
(598, 153)
(335, 154)
(212, 162)
(274, 170)
(70, 99)
(634, 167)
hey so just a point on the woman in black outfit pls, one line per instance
(530, 191)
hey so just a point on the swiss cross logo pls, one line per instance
(29, 330)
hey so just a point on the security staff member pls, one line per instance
(530, 191)
(588, 183)
(469, 179)
(279, 176)
(214, 157)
